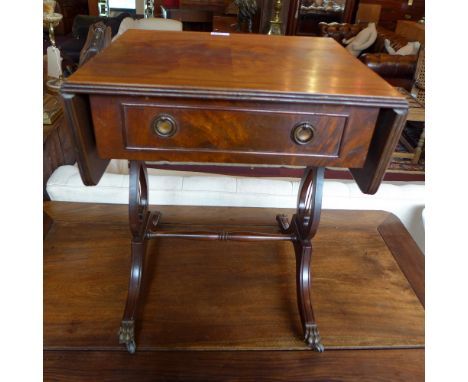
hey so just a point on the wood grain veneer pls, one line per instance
(233, 66)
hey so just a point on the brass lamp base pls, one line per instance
(275, 28)
(276, 23)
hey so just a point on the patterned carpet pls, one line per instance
(400, 169)
(412, 133)
(405, 165)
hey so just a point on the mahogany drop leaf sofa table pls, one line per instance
(258, 100)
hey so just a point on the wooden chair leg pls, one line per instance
(419, 147)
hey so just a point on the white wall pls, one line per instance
(127, 4)
(140, 7)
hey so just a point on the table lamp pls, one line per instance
(54, 59)
(276, 23)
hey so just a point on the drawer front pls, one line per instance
(153, 129)
(159, 128)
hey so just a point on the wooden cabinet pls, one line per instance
(412, 30)
(394, 10)
(304, 15)
(58, 149)
(71, 8)
(93, 8)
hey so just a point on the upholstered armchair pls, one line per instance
(71, 45)
(395, 69)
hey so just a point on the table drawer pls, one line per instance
(231, 132)
(213, 130)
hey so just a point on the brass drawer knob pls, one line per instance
(303, 133)
(164, 125)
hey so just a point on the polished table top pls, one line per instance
(274, 66)
(249, 72)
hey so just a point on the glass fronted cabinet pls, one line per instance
(304, 15)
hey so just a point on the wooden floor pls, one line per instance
(225, 310)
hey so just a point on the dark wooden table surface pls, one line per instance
(227, 311)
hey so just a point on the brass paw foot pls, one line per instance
(127, 335)
(312, 338)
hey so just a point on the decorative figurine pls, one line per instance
(149, 9)
(247, 10)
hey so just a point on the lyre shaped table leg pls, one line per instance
(127, 328)
(303, 284)
(139, 217)
(303, 225)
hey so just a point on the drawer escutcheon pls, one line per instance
(164, 125)
(303, 133)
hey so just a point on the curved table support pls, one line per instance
(301, 230)
(303, 226)
(140, 219)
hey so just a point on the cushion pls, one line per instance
(151, 23)
(81, 24)
(363, 40)
(411, 48)
(71, 48)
